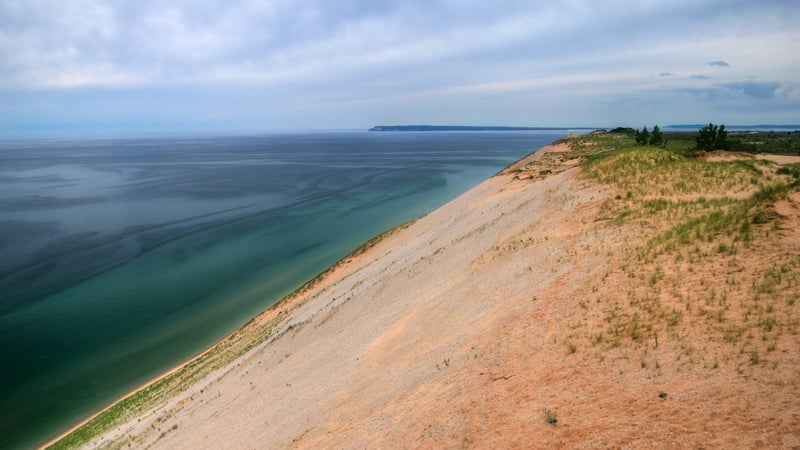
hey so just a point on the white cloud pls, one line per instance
(375, 53)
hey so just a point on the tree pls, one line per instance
(645, 137)
(722, 139)
(642, 137)
(657, 138)
(712, 137)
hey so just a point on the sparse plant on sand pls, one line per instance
(572, 347)
(550, 416)
(697, 214)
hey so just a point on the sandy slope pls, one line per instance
(460, 330)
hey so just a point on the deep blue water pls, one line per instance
(124, 257)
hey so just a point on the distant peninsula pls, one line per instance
(457, 128)
(679, 127)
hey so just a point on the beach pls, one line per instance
(477, 325)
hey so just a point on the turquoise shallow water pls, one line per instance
(124, 257)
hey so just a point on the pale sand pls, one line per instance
(452, 333)
(721, 155)
(780, 159)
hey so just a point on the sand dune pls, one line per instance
(472, 327)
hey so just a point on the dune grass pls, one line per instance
(706, 255)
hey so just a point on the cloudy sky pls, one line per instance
(211, 65)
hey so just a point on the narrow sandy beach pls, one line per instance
(465, 329)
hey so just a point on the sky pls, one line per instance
(82, 66)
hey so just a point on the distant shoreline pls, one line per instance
(765, 127)
(679, 127)
(466, 128)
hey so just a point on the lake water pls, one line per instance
(124, 257)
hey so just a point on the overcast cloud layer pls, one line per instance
(143, 65)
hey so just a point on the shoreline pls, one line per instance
(197, 300)
(292, 312)
(473, 172)
(288, 302)
(285, 305)
(280, 307)
(449, 324)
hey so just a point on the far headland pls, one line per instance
(466, 128)
(677, 127)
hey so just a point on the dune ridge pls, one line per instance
(508, 318)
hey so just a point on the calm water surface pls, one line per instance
(124, 257)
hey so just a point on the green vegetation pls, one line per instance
(707, 257)
(648, 172)
(779, 143)
(686, 142)
(712, 137)
(644, 137)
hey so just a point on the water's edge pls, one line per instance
(267, 283)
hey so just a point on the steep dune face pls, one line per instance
(473, 326)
